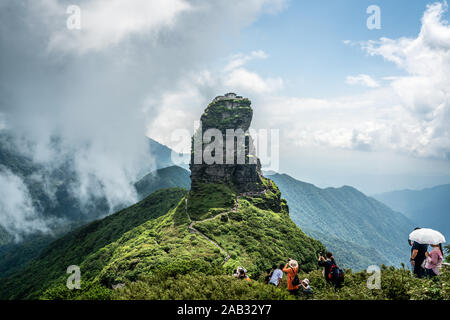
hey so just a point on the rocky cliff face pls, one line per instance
(235, 164)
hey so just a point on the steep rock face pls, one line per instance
(226, 113)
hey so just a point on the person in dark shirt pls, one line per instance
(417, 257)
(327, 264)
(269, 274)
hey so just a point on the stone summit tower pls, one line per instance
(225, 113)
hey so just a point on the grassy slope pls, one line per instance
(396, 284)
(166, 246)
(210, 200)
(74, 247)
(345, 213)
(14, 256)
(256, 237)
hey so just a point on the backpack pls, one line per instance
(336, 275)
(296, 280)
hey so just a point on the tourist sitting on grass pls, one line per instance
(306, 288)
(243, 275)
(277, 275)
(237, 271)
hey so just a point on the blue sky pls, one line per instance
(305, 42)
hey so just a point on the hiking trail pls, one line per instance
(234, 209)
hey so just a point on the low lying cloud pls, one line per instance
(80, 97)
(17, 213)
(105, 23)
(181, 106)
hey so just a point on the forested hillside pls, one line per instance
(359, 229)
(427, 208)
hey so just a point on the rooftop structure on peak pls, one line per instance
(228, 96)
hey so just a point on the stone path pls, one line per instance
(193, 229)
(234, 209)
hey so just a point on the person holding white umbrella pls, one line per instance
(418, 256)
(422, 238)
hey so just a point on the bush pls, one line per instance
(199, 287)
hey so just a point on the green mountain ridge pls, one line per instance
(110, 251)
(74, 247)
(169, 177)
(349, 222)
(428, 207)
(14, 255)
(352, 245)
(63, 204)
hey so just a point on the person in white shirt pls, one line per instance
(277, 275)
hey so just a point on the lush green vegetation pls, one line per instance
(141, 241)
(396, 284)
(74, 247)
(213, 117)
(149, 249)
(209, 200)
(358, 229)
(63, 204)
(255, 238)
(165, 245)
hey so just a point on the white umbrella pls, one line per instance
(427, 236)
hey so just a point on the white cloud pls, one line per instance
(425, 92)
(362, 79)
(2, 122)
(17, 214)
(238, 60)
(237, 78)
(182, 105)
(247, 81)
(407, 114)
(106, 23)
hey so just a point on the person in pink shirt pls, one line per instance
(434, 260)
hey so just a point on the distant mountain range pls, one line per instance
(162, 155)
(426, 208)
(358, 229)
(169, 177)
